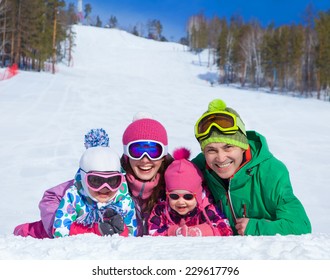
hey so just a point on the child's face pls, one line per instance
(103, 185)
(181, 205)
(103, 195)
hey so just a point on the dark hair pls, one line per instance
(159, 192)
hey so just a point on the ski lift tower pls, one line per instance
(80, 11)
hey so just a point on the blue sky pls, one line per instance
(174, 14)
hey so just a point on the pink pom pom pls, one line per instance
(181, 153)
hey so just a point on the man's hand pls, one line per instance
(241, 224)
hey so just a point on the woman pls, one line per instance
(145, 159)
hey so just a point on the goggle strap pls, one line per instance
(241, 125)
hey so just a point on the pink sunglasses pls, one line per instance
(186, 196)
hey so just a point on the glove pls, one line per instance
(175, 230)
(184, 230)
(112, 223)
(172, 230)
(200, 230)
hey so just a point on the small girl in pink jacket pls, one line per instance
(187, 210)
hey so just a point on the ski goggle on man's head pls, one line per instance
(226, 122)
(136, 150)
(98, 180)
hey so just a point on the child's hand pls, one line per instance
(112, 223)
(184, 230)
(200, 230)
(175, 230)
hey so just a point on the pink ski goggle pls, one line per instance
(98, 180)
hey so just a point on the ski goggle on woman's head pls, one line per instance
(98, 180)
(226, 122)
(136, 150)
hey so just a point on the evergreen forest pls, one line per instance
(295, 58)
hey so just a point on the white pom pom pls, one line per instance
(142, 115)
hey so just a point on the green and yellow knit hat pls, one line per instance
(221, 124)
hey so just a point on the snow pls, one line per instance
(115, 75)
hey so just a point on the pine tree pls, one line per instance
(214, 30)
(295, 61)
(4, 28)
(113, 22)
(240, 54)
(223, 60)
(31, 35)
(268, 52)
(198, 32)
(88, 11)
(322, 26)
(155, 29)
(98, 22)
(70, 18)
(309, 52)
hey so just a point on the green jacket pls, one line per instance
(262, 187)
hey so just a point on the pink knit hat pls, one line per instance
(182, 174)
(145, 128)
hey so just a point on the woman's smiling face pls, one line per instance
(145, 169)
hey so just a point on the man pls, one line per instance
(248, 183)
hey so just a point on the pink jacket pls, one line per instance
(76, 229)
(49, 204)
(164, 221)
